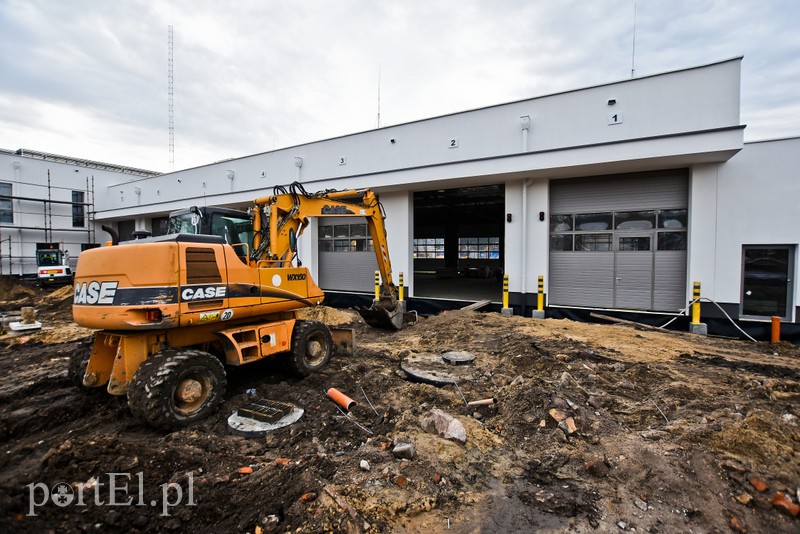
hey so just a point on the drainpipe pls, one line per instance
(524, 274)
(525, 124)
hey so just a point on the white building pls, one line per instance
(620, 196)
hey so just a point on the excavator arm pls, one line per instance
(279, 219)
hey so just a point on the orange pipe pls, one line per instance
(776, 329)
(341, 399)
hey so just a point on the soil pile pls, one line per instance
(595, 429)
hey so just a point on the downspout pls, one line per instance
(524, 274)
(525, 124)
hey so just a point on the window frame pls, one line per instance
(78, 209)
(7, 205)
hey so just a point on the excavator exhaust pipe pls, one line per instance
(379, 316)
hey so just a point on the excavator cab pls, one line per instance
(235, 227)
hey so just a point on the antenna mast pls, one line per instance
(633, 52)
(378, 120)
(171, 103)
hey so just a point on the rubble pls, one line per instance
(445, 425)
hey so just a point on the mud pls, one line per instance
(668, 432)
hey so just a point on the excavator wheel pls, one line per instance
(312, 346)
(176, 387)
(78, 361)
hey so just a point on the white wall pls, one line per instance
(758, 202)
(682, 114)
(703, 221)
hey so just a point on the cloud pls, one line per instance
(89, 78)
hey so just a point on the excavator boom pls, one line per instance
(282, 217)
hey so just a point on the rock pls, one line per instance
(560, 435)
(736, 525)
(597, 468)
(404, 450)
(745, 498)
(401, 481)
(595, 402)
(558, 402)
(783, 504)
(445, 425)
(364, 465)
(640, 504)
(622, 525)
(618, 367)
(758, 484)
(654, 435)
(557, 415)
(568, 426)
(437, 478)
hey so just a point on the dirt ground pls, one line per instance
(660, 432)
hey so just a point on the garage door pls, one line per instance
(346, 257)
(619, 241)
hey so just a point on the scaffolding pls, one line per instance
(85, 209)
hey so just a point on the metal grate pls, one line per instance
(265, 410)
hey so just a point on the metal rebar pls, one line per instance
(459, 391)
(368, 402)
(659, 411)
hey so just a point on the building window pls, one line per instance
(6, 211)
(579, 232)
(479, 248)
(78, 209)
(630, 244)
(429, 248)
(635, 220)
(344, 238)
(593, 242)
(767, 288)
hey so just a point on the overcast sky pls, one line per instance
(89, 78)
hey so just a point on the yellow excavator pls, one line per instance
(222, 286)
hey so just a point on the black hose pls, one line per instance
(113, 233)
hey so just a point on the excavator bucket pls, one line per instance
(379, 317)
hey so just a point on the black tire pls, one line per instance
(154, 394)
(78, 361)
(312, 346)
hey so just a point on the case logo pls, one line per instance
(204, 292)
(95, 292)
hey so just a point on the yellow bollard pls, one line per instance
(377, 285)
(401, 289)
(540, 295)
(696, 304)
(505, 291)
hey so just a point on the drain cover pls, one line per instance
(262, 416)
(460, 357)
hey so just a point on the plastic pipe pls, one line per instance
(341, 399)
(776, 330)
(483, 402)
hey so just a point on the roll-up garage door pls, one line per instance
(619, 241)
(346, 257)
